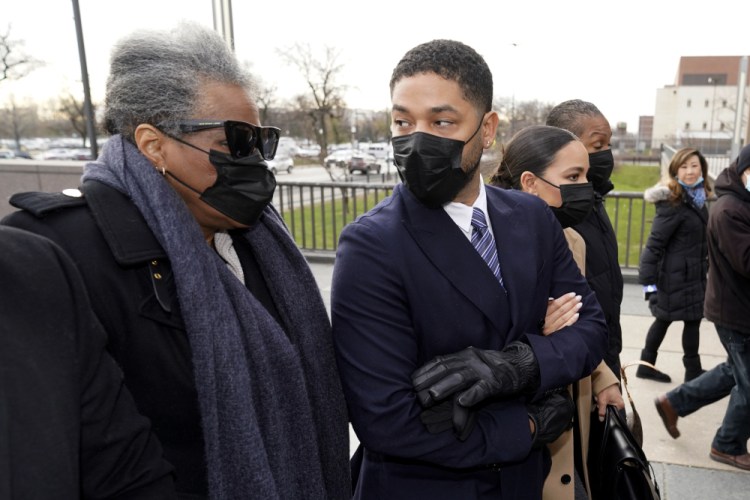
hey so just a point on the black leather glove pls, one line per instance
(449, 415)
(552, 415)
(479, 374)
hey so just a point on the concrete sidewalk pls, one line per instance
(682, 467)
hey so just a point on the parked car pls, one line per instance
(363, 162)
(380, 150)
(311, 151)
(20, 153)
(339, 158)
(352, 161)
(67, 154)
(281, 163)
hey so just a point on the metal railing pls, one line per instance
(316, 212)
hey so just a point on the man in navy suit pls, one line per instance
(451, 387)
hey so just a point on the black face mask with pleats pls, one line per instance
(430, 166)
(577, 202)
(601, 165)
(243, 186)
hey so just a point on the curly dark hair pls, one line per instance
(532, 149)
(568, 115)
(453, 61)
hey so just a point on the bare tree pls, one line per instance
(14, 63)
(74, 111)
(516, 115)
(266, 98)
(17, 121)
(324, 103)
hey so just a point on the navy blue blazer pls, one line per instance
(408, 286)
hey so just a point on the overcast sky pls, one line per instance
(614, 54)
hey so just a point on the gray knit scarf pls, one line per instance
(272, 409)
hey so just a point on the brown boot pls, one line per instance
(668, 415)
(739, 461)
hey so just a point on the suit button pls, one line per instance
(494, 467)
(565, 479)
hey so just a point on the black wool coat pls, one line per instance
(675, 258)
(68, 427)
(131, 285)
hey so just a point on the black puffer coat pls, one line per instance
(675, 258)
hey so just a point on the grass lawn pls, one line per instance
(630, 215)
(317, 226)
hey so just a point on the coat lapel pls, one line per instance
(517, 252)
(448, 249)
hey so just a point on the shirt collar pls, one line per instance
(462, 214)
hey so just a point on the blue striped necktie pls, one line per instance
(483, 241)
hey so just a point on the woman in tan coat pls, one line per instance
(552, 163)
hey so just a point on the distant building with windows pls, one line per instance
(645, 133)
(698, 110)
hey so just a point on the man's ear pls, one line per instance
(151, 141)
(489, 128)
(528, 182)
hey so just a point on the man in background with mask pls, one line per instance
(439, 299)
(212, 311)
(602, 265)
(727, 305)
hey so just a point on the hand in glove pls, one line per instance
(479, 374)
(552, 415)
(449, 414)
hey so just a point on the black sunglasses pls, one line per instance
(242, 138)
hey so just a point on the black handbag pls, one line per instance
(618, 467)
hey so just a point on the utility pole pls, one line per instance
(87, 106)
(223, 20)
(739, 110)
(712, 81)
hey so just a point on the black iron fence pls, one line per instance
(316, 212)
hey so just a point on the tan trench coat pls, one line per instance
(560, 481)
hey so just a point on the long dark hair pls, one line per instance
(680, 157)
(532, 149)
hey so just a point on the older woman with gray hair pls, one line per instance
(212, 311)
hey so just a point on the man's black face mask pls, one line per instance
(430, 166)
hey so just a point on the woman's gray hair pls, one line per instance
(155, 77)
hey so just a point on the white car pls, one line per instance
(281, 163)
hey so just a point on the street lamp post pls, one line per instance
(223, 22)
(88, 107)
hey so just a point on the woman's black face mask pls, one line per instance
(577, 202)
(243, 186)
(430, 166)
